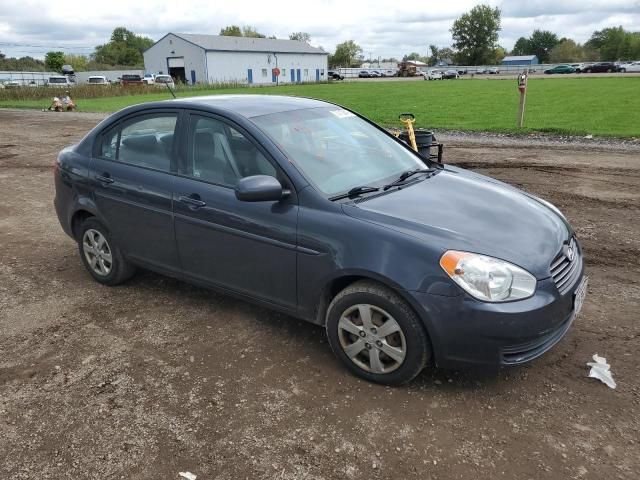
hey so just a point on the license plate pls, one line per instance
(579, 296)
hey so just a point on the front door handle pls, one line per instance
(193, 199)
(105, 178)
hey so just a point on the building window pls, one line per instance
(264, 73)
(322, 72)
(283, 72)
(306, 72)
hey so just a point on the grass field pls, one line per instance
(577, 106)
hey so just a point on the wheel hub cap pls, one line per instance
(372, 338)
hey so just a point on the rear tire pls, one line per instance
(101, 255)
(377, 336)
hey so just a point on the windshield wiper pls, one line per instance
(354, 192)
(409, 173)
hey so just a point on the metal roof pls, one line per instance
(518, 57)
(249, 44)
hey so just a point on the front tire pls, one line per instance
(100, 254)
(377, 336)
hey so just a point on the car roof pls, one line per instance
(249, 105)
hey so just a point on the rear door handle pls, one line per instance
(193, 199)
(105, 178)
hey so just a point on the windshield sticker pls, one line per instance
(342, 113)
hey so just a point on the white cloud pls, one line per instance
(382, 27)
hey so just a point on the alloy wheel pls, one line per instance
(97, 252)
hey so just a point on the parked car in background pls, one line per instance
(631, 67)
(432, 74)
(602, 67)
(375, 74)
(364, 74)
(291, 202)
(579, 67)
(493, 71)
(462, 71)
(390, 73)
(334, 75)
(450, 75)
(164, 81)
(11, 84)
(131, 79)
(149, 79)
(97, 80)
(481, 71)
(59, 81)
(560, 69)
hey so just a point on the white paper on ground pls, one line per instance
(187, 475)
(601, 370)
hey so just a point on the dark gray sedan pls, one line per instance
(308, 208)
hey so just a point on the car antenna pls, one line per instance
(174, 95)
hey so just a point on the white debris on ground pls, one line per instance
(601, 370)
(187, 475)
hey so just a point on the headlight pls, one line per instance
(487, 278)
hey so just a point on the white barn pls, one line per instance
(194, 59)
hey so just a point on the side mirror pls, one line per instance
(260, 188)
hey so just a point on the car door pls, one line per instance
(132, 180)
(247, 247)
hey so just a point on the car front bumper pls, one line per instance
(468, 332)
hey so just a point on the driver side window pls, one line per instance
(219, 154)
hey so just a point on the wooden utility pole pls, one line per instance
(522, 86)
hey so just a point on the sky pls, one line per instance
(383, 28)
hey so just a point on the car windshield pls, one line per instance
(96, 80)
(337, 150)
(163, 79)
(57, 80)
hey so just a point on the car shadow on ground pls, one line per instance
(300, 335)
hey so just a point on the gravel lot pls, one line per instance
(157, 377)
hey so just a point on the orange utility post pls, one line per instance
(408, 119)
(522, 86)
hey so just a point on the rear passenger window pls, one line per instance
(148, 141)
(109, 144)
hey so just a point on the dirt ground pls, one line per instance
(157, 377)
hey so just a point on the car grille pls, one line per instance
(566, 267)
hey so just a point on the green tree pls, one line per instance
(567, 51)
(249, 31)
(300, 37)
(25, 64)
(497, 54)
(541, 42)
(475, 34)
(345, 55)
(615, 44)
(54, 61)
(78, 62)
(521, 47)
(124, 48)
(231, 31)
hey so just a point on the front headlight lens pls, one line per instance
(486, 278)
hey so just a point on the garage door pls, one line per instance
(176, 62)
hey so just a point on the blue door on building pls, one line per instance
(273, 76)
(193, 77)
(250, 76)
(317, 74)
(298, 75)
(293, 75)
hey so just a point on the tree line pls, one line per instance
(475, 42)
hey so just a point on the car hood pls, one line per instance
(459, 210)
